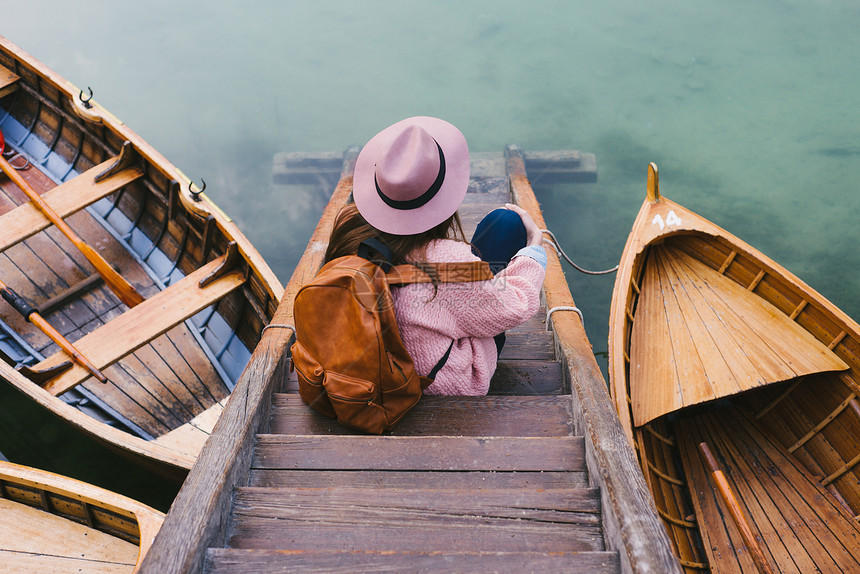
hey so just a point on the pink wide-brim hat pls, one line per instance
(411, 176)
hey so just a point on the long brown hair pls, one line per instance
(350, 229)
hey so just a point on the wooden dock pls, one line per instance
(537, 476)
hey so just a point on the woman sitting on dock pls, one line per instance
(409, 181)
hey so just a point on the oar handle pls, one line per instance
(736, 511)
(26, 310)
(123, 289)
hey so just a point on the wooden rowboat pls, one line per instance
(50, 523)
(170, 361)
(714, 346)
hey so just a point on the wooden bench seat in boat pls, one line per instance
(798, 523)
(66, 199)
(144, 322)
(195, 432)
(8, 81)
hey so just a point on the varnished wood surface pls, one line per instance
(801, 526)
(35, 541)
(699, 336)
(161, 383)
(143, 323)
(799, 440)
(67, 198)
(8, 81)
(50, 523)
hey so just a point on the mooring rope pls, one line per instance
(560, 252)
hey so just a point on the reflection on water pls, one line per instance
(749, 109)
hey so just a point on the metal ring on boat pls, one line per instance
(86, 102)
(277, 326)
(565, 308)
(195, 195)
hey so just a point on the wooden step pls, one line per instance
(529, 346)
(419, 453)
(393, 519)
(230, 561)
(438, 416)
(534, 325)
(417, 479)
(516, 377)
(528, 378)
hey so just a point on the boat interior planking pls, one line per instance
(170, 361)
(713, 342)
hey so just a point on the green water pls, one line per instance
(749, 109)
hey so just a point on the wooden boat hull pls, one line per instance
(51, 523)
(788, 443)
(171, 361)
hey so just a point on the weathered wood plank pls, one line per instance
(418, 453)
(527, 378)
(181, 338)
(438, 415)
(529, 346)
(512, 377)
(560, 506)
(282, 478)
(410, 520)
(536, 324)
(232, 561)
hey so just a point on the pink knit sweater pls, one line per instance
(468, 313)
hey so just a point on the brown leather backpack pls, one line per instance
(348, 355)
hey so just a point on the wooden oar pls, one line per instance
(123, 289)
(24, 308)
(736, 511)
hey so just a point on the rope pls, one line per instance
(565, 308)
(560, 252)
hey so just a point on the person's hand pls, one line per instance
(534, 236)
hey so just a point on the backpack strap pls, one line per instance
(459, 272)
(441, 363)
(381, 248)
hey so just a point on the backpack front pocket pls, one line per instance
(310, 375)
(355, 402)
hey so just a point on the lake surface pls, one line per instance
(749, 109)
